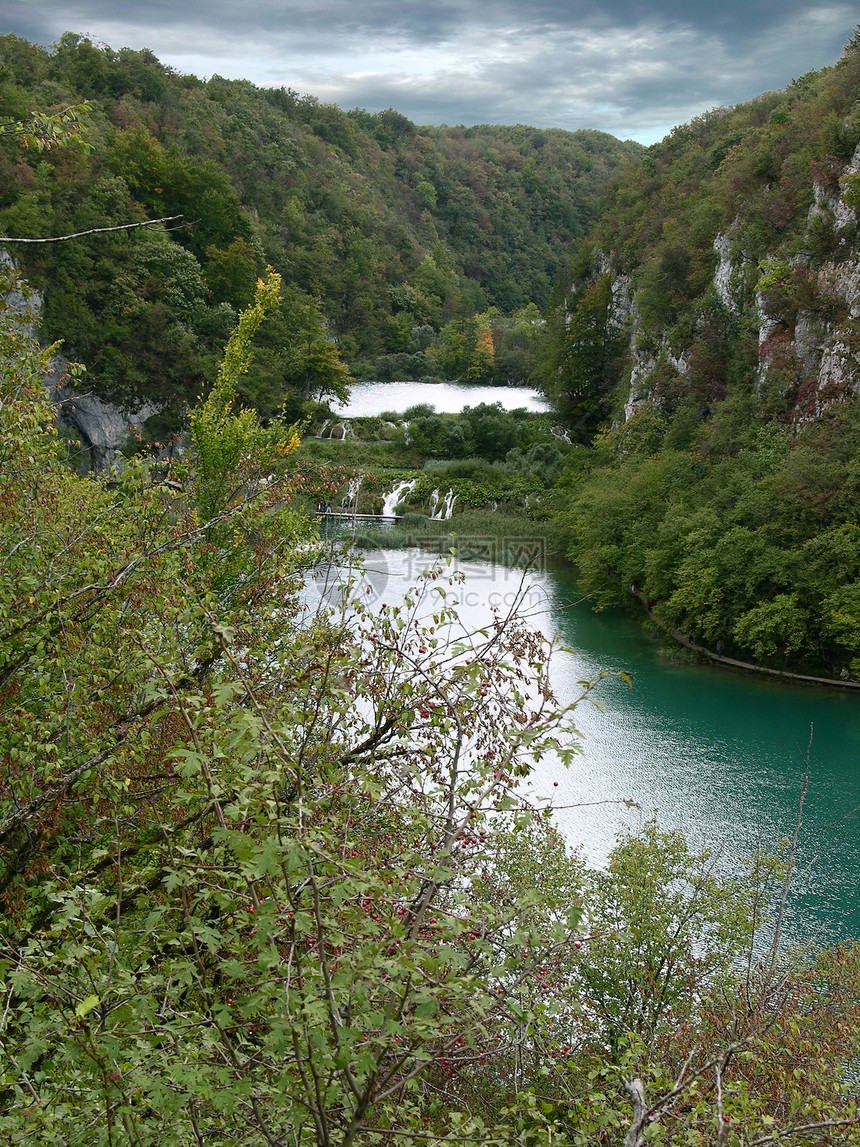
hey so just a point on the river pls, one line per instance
(716, 753)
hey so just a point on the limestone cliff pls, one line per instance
(814, 343)
(726, 262)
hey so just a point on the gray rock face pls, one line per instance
(27, 303)
(824, 345)
(104, 429)
(725, 272)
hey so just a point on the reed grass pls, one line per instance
(474, 534)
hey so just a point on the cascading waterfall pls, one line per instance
(392, 500)
(335, 429)
(444, 512)
(349, 502)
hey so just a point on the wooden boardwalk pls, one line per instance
(702, 651)
(357, 514)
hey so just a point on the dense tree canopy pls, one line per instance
(379, 227)
(268, 874)
(707, 347)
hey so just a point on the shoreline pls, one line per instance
(746, 666)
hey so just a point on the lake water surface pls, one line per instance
(719, 754)
(716, 753)
(374, 398)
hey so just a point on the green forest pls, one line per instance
(705, 345)
(401, 247)
(267, 871)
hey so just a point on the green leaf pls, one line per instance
(86, 1006)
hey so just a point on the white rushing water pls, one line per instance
(443, 512)
(391, 501)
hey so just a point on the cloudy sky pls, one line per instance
(634, 68)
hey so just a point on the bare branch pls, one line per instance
(92, 231)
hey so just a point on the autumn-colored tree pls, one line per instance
(482, 359)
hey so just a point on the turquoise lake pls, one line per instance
(716, 753)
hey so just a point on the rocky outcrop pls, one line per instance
(638, 390)
(821, 338)
(727, 273)
(18, 296)
(103, 428)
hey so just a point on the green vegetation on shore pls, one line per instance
(268, 872)
(685, 344)
(492, 470)
(405, 250)
(706, 348)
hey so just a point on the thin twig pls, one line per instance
(791, 862)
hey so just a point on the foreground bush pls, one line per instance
(267, 874)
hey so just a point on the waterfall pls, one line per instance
(392, 500)
(338, 430)
(349, 502)
(443, 513)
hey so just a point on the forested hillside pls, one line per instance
(405, 250)
(707, 348)
(269, 869)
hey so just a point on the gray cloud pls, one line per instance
(634, 68)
